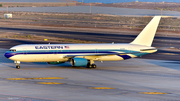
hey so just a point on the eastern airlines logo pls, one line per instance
(51, 47)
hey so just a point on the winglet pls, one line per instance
(147, 34)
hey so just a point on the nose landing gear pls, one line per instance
(17, 64)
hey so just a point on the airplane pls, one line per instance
(85, 54)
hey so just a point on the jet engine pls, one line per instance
(78, 62)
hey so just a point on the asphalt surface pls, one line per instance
(128, 80)
(91, 36)
(156, 78)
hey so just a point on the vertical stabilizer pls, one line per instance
(147, 35)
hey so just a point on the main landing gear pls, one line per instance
(89, 65)
(17, 64)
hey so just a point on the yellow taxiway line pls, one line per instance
(101, 88)
(152, 93)
(35, 78)
(50, 83)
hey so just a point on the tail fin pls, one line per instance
(147, 35)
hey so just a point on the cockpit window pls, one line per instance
(12, 50)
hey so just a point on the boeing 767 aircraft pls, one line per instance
(86, 54)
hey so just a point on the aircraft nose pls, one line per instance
(8, 55)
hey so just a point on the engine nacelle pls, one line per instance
(54, 63)
(79, 62)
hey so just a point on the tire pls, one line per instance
(89, 65)
(93, 66)
(17, 67)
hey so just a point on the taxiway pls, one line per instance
(129, 80)
(153, 77)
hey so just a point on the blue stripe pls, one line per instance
(140, 54)
(9, 54)
(128, 57)
(71, 51)
(125, 56)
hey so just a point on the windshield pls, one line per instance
(12, 50)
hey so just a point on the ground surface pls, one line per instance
(168, 6)
(154, 78)
(135, 79)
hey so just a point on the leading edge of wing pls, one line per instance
(105, 54)
(99, 54)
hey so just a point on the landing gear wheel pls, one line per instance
(93, 66)
(18, 67)
(89, 66)
(17, 64)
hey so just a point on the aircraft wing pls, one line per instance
(100, 54)
(105, 54)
